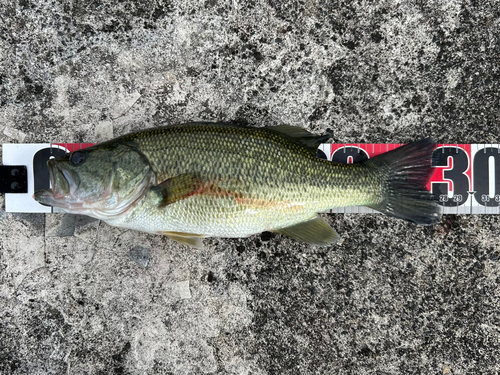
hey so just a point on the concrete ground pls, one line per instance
(80, 297)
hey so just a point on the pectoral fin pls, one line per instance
(190, 239)
(177, 188)
(315, 232)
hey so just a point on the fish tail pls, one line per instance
(405, 173)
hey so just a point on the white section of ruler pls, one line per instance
(22, 154)
(476, 207)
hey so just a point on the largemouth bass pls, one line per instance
(221, 180)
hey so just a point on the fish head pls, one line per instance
(100, 181)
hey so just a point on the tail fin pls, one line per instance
(405, 173)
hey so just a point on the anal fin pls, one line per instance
(315, 232)
(189, 239)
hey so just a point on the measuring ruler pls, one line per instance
(466, 178)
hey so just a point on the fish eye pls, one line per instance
(77, 157)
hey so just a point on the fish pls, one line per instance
(197, 180)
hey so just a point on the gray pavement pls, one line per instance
(80, 297)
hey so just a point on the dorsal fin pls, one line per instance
(302, 136)
(295, 134)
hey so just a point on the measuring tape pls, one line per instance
(466, 178)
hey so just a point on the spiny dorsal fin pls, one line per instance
(302, 136)
(315, 232)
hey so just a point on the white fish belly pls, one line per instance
(212, 216)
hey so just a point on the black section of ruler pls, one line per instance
(40, 168)
(13, 179)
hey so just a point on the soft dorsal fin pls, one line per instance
(315, 232)
(301, 136)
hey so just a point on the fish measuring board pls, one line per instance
(466, 179)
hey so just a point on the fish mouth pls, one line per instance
(64, 184)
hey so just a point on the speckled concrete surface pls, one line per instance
(80, 297)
